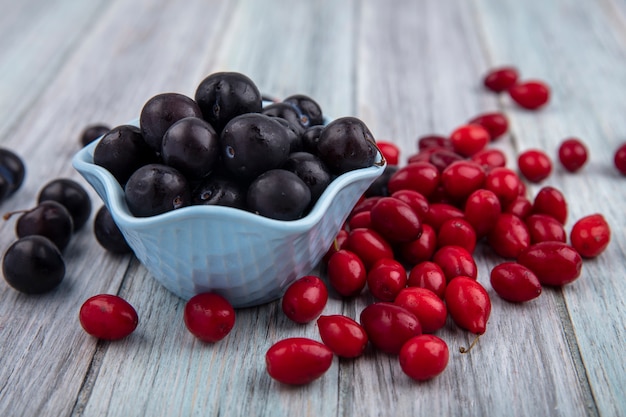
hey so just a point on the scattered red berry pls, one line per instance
(469, 304)
(386, 278)
(298, 360)
(346, 273)
(443, 158)
(619, 160)
(369, 246)
(514, 282)
(389, 326)
(305, 299)
(424, 357)
(469, 139)
(344, 336)
(422, 177)
(209, 317)
(430, 276)
(535, 165)
(415, 200)
(429, 309)
(455, 261)
(520, 207)
(504, 183)
(459, 232)
(501, 79)
(509, 236)
(572, 154)
(482, 209)
(108, 317)
(395, 220)
(489, 158)
(421, 249)
(554, 263)
(542, 228)
(551, 201)
(433, 141)
(530, 94)
(461, 178)
(495, 123)
(390, 152)
(590, 235)
(439, 213)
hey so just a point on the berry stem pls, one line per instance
(10, 214)
(462, 349)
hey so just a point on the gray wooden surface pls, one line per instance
(407, 68)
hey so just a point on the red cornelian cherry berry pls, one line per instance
(572, 154)
(415, 200)
(531, 94)
(468, 304)
(509, 236)
(443, 158)
(504, 183)
(422, 177)
(520, 207)
(461, 178)
(424, 357)
(338, 243)
(550, 201)
(457, 232)
(430, 276)
(554, 263)
(438, 213)
(369, 246)
(425, 154)
(514, 282)
(482, 209)
(590, 235)
(386, 278)
(429, 309)
(209, 317)
(344, 336)
(421, 249)
(535, 165)
(489, 158)
(501, 79)
(108, 317)
(365, 205)
(455, 261)
(305, 299)
(542, 228)
(433, 141)
(619, 159)
(297, 360)
(395, 220)
(496, 124)
(469, 139)
(362, 219)
(346, 273)
(390, 151)
(389, 326)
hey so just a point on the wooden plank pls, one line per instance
(586, 104)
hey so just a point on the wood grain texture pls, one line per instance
(407, 69)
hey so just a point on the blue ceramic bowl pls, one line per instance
(247, 258)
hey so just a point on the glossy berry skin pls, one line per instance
(344, 336)
(554, 263)
(462, 178)
(346, 144)
(297, 360)
(369, 246)
(551, 201)
(154, 189)
(542, 227)
(455, 261)
(468, 304)
(530, 95)
(433, 141)
(430, 276)
(443, 158)
(33, 265)
(424, 357)
(535, 165)
(489, 158)
(390, 152)
(389, 326)
(439, 213)
(415, 200)
(495, 123)
(520, 207)
(386, 278)
(108, 317)
(429, 309)
(514, 282)
(107, 234)
(309, 110)
(590, 235)
(278, 194)
(504, 183)
(12, 171)
(220, 191)
(619, 159)
(346, 273)
(49, 219)
(572, 154)
(422, 177)
(311, 170)
(92, 132)
(362, 220)
(500, 79)
(421, 249)
(70, 194)
(509, 236)
(395, 220)
(209, 317)
(482, 209)
(457, 232)
(338, 244)
(305, 299)
(469, 139)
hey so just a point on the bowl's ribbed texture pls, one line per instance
(247, 258)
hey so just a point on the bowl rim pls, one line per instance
(116, 203)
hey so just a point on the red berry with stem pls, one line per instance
(551, 201)
(346, 273)
(469, 139)
(590, 235)
(461, 178)
(429, 309)
(554, 263)
(344, 336)
(390, 152)
(509, 236)
(389, 326)
(457, 232)
(500, 79)
(297, 360)
(469, 304)
(535, 165)
(531, 94)
(619, 159)
(430, 276)
(455, 261)
(386, 278)
(369, 246)
(338, 243)
(495, 123)
(482, 209)
(421, 249)
(305, 299)
(395, 220)
(209, 317)
(514, 282)
(424, 357)
(572, 154)
(108, 317)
